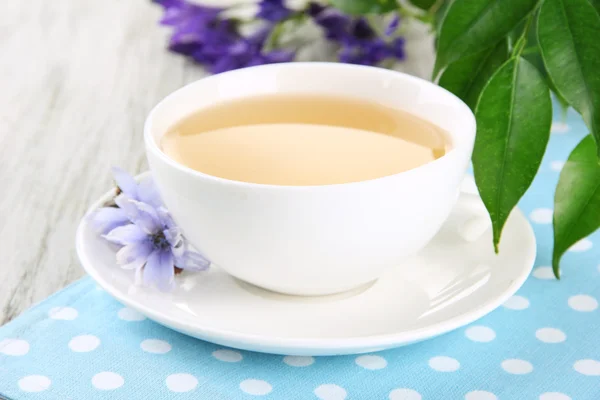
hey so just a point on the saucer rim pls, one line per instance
(318, 346)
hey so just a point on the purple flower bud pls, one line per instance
(273, 10)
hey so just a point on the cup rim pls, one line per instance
(152, 144)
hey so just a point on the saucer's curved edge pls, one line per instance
(310, 346)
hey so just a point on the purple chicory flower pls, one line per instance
(145, 191)
(273, 10)
(153, 246)
(151, 243)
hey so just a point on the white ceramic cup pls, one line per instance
(313, 240)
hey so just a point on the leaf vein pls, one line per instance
(507, 140)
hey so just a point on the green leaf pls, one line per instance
(535, 58)
(361, 7)
(596, 4)
(440, 14)
(514, 114)
(576, 200)
(423, 4)
(470, 26)
(569, 38)
(532, 53)
(467, 76)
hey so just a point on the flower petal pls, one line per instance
(106, 219)
(192, 261)
(165, 217)
(147, 193)
(126, 234)
(159, 270)
(125, 182)
(173, 236)
(147, 218)
(134, 256)
(125, 203)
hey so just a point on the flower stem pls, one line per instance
(273, 39)
(522, 41)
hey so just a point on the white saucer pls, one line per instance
(449, 284)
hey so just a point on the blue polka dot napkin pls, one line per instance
(544, 343)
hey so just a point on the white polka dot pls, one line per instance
(405, 394)
(444, 364)
(541, 215)
(298, 361)
(583, 303)
(330, 391)
(227, 355)
(107, 381)
(557, 165)
(480, 334)
(550, 335)
(554, 396)
(127, 314)
(517, 367)
(587, 367)
(14, 347)
(64, 313)
(516, 303)
(84, 343)
(181, 383)
(559, 127)
(371, 362)
(480, 395)
(543, 273)
(582, 245)
(155, 346)
(255, 387)
(34, 383)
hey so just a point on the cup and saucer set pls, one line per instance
(331, 269)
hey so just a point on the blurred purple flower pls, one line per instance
(334, 23)
(359, 42)
(247, 52)
(203, 34)
(200, 33)
(151, 243)
(144, 191)
(273, 10)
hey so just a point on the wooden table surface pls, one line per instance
(77, 80)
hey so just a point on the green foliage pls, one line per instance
(576, 200)
(569, 39)
(467, 76)
(514, 114)
(423, 4)
(471, 26)
(550, 45)
(363, 7)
